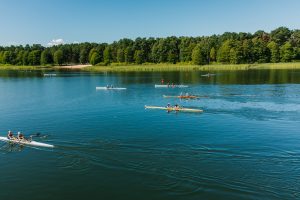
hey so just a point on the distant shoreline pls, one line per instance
(116, 67)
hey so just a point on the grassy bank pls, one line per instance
(159, 67)
(185, 67)
(26, 68)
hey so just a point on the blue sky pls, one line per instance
(40, 21)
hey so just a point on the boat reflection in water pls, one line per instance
(11, 147)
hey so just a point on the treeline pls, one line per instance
(280, 45)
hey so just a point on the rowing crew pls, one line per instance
(184, 95)
(109, 86)
(168, 83)
(11, 136)
(176, 107)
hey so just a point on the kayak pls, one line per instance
(174, 109)
(181, 97)
(26, 142)
(109, 88)
(170, 86)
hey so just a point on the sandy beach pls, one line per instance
(74, 66)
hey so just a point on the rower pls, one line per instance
(107, 86)
(168, 105)
(20, 136)
(162, 81)
(176, 107)
(10, 135)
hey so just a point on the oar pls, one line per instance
(35, 135)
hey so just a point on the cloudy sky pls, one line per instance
(50, 22)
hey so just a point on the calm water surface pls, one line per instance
(246, 144)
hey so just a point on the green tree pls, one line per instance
(58, 57)
(34, 57)
(1, 57)
(120, 56)
(84, 55)
(280, 35)
(172, 50)
(186, 47)
(261, 52)
(295, 38)
(223, 55)
(286, 52)
(297, 53)
(198, 56)
(25, 58)
(213, 54)
(19, 58)
(7, 57)
(234, 58)
(46, 57)
(107, 55)
(92, 51)
(95, 59)
(247, 51)
(128, 55)
(139, 56)
(274, 49)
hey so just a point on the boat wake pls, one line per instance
(177, 169)
(225, 105)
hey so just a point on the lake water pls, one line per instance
(245, 145)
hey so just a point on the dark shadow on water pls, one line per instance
(189, 77)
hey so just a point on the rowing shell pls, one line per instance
(25, 142)
(108, 88)
(174, 109)
(208, 75)
(181, 97)
(49, 74)
(170, 86)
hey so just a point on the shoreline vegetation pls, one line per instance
(119, 67)
(229, 50)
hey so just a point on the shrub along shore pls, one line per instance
(117, 67)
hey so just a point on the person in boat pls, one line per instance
(176, 107)
(107, 86)
(10, 135)
(20, 136)
(168, 105)
(162, 81)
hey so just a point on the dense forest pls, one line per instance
(280, 45)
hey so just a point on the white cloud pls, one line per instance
(56, 42)
(76, 42)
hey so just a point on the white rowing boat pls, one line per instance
(49, 74)
(26, 142)
(174, 109)
(208, 75)
(110, 88)
(170, 86)
(182, 96)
